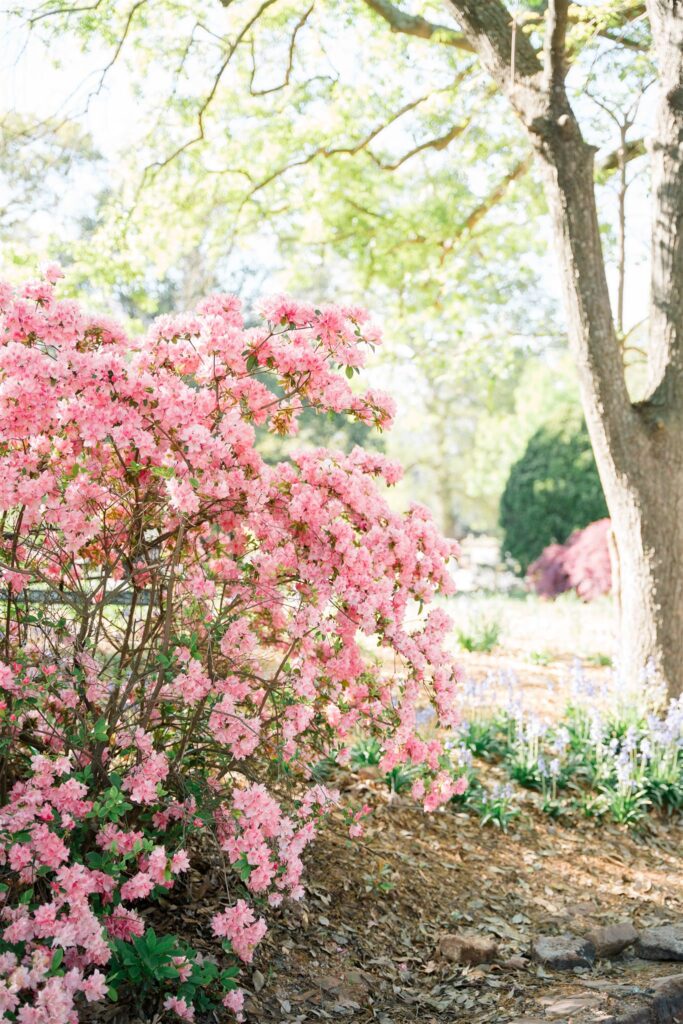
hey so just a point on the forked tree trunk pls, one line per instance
(638, 446)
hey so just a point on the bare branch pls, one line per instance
(441, 142)
(117, 52)
(208, 99)
(290, 58)
(55, 11)
(495, 195)
(330, 151)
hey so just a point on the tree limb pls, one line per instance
(489, 26)
(632, 150)
(208, 99)
(495, 195)
(555, 48)
(414, 25)
(666, 314)
(538, 95)
(290, 58)
(441, 142)
(327, 151)
(117, 52)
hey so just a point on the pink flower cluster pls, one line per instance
(202, 618)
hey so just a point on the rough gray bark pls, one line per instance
(666, 314)
(638, 447)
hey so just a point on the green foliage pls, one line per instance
(145, 962)
(599, 659)
(627, 807)
(481, 637)
(542, 657)
(481, 738)
(552, 490)
(496, 807)
(149, 964)
(365, 753)
(620, 763)
(401, 778)
(381, 882)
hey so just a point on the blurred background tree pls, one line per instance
(552, 490)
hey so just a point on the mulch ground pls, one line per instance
(363, 945)
(358, 951)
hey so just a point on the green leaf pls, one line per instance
(100, 730)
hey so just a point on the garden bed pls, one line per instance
(363, 946)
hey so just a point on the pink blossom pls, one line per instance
(180, 1007)
(240, 925)
(94, 987)
(235, 1001)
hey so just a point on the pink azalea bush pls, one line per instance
(180, 643)
(582, 564)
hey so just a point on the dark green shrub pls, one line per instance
(552, 490)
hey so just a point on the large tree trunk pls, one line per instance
(638, 447)
(650, 550)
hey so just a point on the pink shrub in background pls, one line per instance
(581, 564)
(180, 640)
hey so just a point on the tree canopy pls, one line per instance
(298, 144)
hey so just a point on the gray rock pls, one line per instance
(612, 939)
(668, 982)
(665, 1007)
(668, 1001)
(563, 952)
(664, 943)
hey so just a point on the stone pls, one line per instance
(664, 943)
(668, 1001)
(585, 909)
(515, 963)
(664, 1007)
(563, 952)
(349, 990)
(612, 939)
(667, 981)
(569, 1005)
(468, 948)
